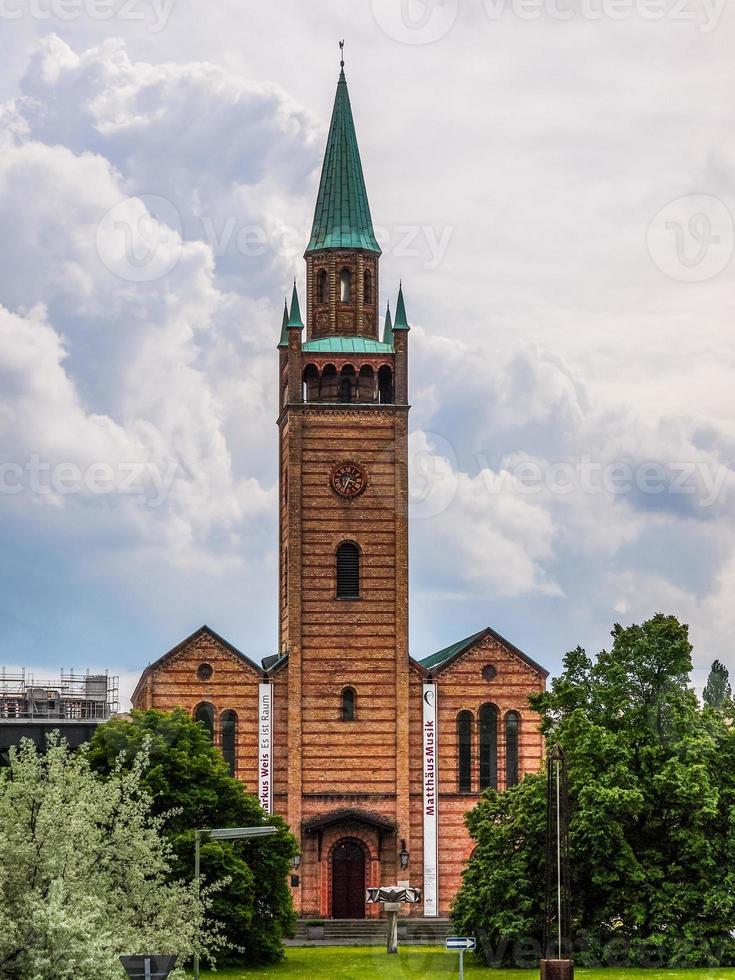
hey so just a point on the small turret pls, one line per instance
(388, 328)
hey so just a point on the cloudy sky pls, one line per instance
(554, 182)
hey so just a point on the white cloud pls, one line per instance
(546, 333)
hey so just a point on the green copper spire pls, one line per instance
(342, 217)
(294, 320)
(401, 321)
(283, 342)
(388, 328)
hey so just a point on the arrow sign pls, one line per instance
(148, 967)
(461, 942)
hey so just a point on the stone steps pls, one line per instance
(372, 932)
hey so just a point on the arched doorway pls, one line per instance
(348, 880)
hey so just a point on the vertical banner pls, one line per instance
(265, 746)
(431, 799)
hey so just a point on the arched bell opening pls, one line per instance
(329, 383)
(311, 383)
(347, 390)
(385, 385)
(322, 287)
(345, 285)
(366, 384)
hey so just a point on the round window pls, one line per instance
(488, 672)
(204, 672)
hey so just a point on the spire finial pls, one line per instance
(342, 53)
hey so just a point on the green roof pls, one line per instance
(346, 345)
(294, 320)
(451, 651)
(401, 323)
(283, 342)
(388, 328)
(342, 217)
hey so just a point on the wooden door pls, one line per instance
(348, 881)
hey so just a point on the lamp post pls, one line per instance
(222, 833)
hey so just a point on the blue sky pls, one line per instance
(556, 193)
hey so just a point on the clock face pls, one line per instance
(348, 479)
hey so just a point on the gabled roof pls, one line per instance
(346, 345)
(273, 663)
(202, 631)
(442, 658)
(342, 216)
(345, 814)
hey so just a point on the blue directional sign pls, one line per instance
(465, 943)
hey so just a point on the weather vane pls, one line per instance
(342, 53)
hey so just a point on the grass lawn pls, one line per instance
(364, 962)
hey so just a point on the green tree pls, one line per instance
(652, 830)
(188, 775)
(85, 873)
(717, 691)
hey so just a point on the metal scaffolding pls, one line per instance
(70, 696)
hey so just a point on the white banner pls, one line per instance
(265, 746)
(431, 799)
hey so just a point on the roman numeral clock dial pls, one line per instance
(348, 480)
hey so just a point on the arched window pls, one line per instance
(345, 390)
(385, 385)
(464, 749)
(204, 714)
(367, 288)
(228, 722)
(488, 746)
(347, 383)
(322, 287)
(345, 286)
(366, 384)
(329, 382)
(512, 725)
(311, 383)
(349, 704)
(348, 571)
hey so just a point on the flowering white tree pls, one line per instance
(83, 871)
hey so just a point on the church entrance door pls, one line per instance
(348, 881)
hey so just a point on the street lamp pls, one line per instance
(222, 833)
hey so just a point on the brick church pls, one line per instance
(372, 756)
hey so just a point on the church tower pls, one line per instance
(343, 601)
(372, 757)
